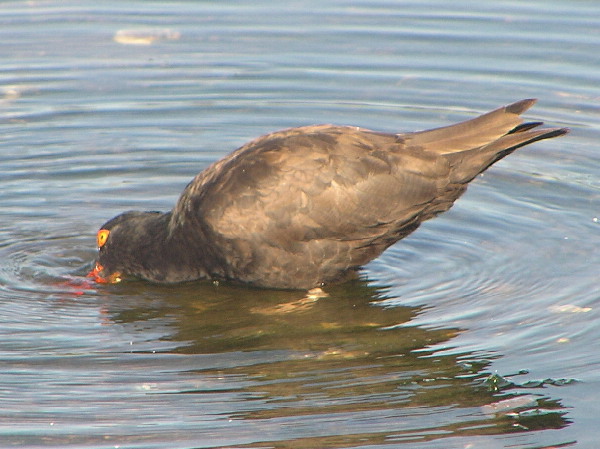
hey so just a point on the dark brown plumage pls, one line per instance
(304, 207)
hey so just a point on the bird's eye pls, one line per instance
(101, 237)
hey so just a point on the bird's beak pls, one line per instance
(98, 274)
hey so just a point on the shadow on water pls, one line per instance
(339, 370)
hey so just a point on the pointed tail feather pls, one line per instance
(475, 132)
(468, 164)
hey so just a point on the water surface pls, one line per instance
(477, 331)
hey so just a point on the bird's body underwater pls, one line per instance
(304, 207)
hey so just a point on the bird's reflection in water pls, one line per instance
(339, 356)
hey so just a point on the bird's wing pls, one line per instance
(317, 182)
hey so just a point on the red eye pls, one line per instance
(102, 237)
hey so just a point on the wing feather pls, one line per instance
(321, 182)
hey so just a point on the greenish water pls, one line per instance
(478, 331)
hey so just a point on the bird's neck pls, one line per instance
(177, 252)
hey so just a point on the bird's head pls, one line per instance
(124, 247)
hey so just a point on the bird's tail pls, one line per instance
(472, 146)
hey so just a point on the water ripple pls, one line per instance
(506, 280)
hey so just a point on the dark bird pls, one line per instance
(306, 207)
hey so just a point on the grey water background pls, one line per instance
(478, 331)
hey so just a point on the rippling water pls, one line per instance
(477, 331)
